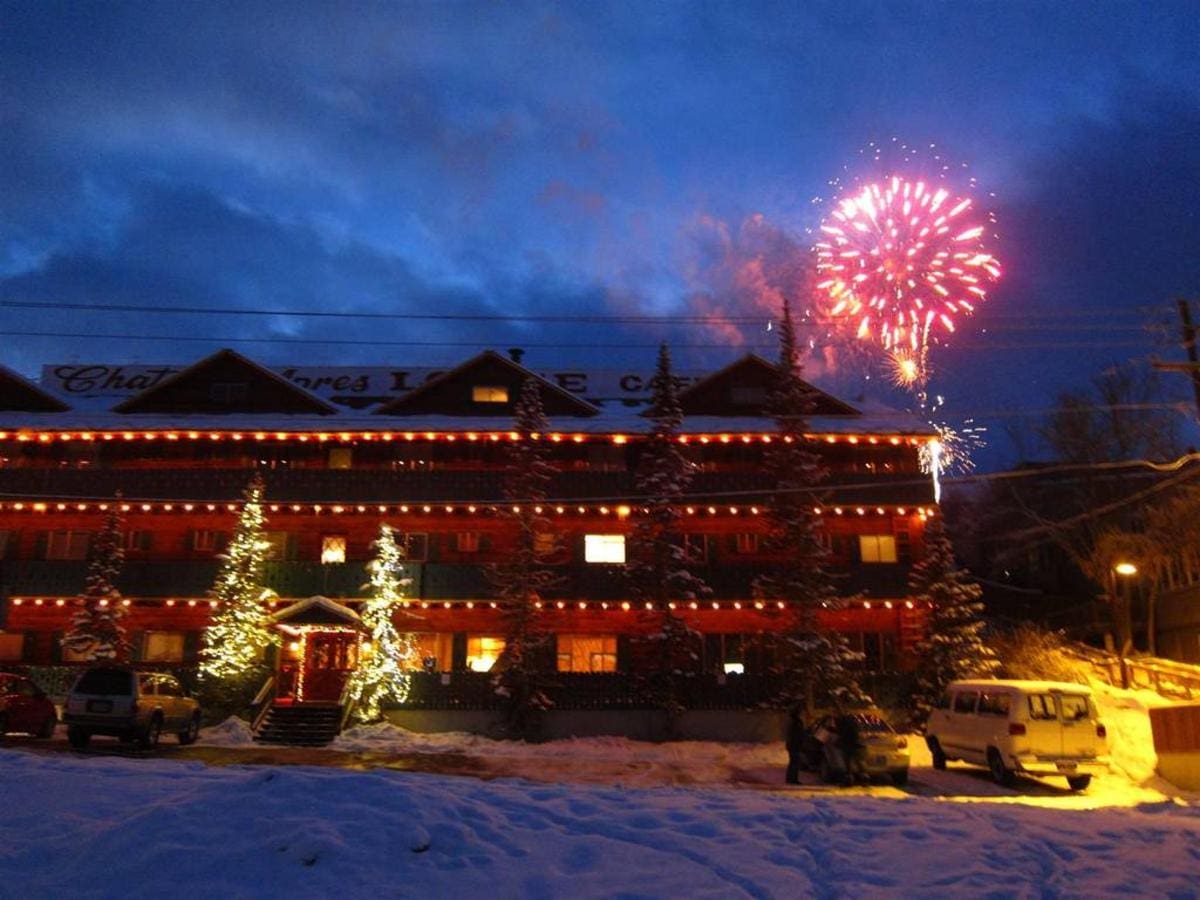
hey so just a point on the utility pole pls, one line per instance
(1189, 346)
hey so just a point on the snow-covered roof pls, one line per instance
(317, 611)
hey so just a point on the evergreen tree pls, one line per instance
(817, 663)
(96, 629)
(523, 580)
(657, 565)
(381, 675)
(238, 634)
(953, 647)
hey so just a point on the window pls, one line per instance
(433, 653)
(993, 704)
(68, 544)
(4, 540)
(695, 548)
(1041, 707)
(228, 393)
(12, 646)
(964, 701)
(483, 651)
(545, 543)
(101, 681)
(203, 539)
(943, 702)
(723, 654)
(746, 543)
(587, 653)
(877, 548)
(489, 393)
(138, 540)
(1074, 707)
(277, 545)
(333, 549)
(414, 545)
(70, 655)
(162, 646)
(604, 548)
(467, 541)
(340, 457)
(748, 396)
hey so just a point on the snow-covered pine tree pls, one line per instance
(96, 629)
(382, 673)
(523, 579)
(231, 657)
(816, 664)
(657, 566)
(953, 647)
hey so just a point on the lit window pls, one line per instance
(432, 653)
(68, 545)
(341, 457)
(545, 543)
(746, 543)
(12, 646)
(587, 653)
(162, 646)
(203, 539)
(467, 541)
(877, 548)
(489, 393)
(604, 548)
(333, 549)
(483, 651)
(277, 544)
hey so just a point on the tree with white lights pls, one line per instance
(238, 634)
(657, 564)
(382, 673)
(96, 629)
(816, 662)
(954, 647)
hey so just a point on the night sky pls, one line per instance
(640, 159)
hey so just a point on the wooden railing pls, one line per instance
(1180, 681)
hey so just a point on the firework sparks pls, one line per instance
(950, 453)
(901, 259)
(905, 368)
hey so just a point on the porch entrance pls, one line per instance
(329, 658)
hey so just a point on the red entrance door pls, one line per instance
(329, 658)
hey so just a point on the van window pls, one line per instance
(993, 704)
(964, 701)
(943, 702)
(1074, 707)
(102, 682)
(1041, 706)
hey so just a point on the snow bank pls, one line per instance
(233, 732)
(76, 827)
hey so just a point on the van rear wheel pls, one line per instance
(148, 739)
(1001, 773)
(1079, 782)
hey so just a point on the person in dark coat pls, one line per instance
(795, 744)
(850, 746)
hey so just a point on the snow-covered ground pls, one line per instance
(75, 826)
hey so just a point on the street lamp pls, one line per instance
(1125, 568)
(1121, 603)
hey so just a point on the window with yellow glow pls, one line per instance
(434, 653)
(162, 646)
(587, 653)
(877, 548)
(489, 393)
(333, 548)
(483, 651)
(604, 548)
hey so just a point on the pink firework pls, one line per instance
(903, 259)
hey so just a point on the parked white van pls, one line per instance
(1036, 727)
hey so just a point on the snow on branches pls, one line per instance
(96, 629)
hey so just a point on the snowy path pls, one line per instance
(107, 827)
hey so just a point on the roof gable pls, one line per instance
(485, 385)
(317, 611)
(742, 389)
(225, 382)
(17, 394)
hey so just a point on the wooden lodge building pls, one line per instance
(344, 450)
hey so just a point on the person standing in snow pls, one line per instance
(795, 743)
(850, 747)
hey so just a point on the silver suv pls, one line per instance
(130, 705)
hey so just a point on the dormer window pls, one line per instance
(747, 396)
(489, 393)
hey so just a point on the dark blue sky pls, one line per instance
(641, 158)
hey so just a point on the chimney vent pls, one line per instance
(515, 354)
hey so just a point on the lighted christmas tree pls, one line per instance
(96, 629)
(382, 673)
(522, 581)
(238, 633)
(954, 647)
(817, 663)
(657, 564)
